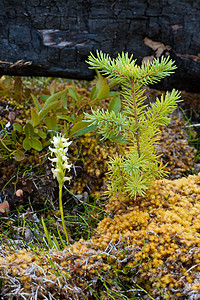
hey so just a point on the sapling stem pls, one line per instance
(137, 133)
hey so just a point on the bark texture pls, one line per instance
(54, 37)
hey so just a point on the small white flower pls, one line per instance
(67, 179)
(66, 144)
(53, 159)
(66, 166)
(55, 172)
(52, 150)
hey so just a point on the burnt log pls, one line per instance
(55, 37)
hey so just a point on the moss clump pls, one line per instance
(75, 273)
(163, 230)
(91, 163)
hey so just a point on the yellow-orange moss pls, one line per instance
(163, 229)
(91, 158)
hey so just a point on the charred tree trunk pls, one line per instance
(54, 37)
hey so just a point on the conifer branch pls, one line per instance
(109, 124)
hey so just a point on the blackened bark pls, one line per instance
(54, 37)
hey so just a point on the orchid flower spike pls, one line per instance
(60, 160)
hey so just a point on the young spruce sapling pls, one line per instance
(137, 124)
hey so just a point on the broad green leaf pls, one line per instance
(47, 109)
(85, 130)
(34, 117)
(78, 118)
(28, 129)
(36, 130)
(102, 88)
(66, 131)
(18, 85)
(8, 82)
(61, 110)
(92, 94)
(42, 134)
(113, 93)
(67, 118)
(19, 155)
(15, 136)
(26, 144)
(64, 100)
(52, 86)
(36, 102)
(73, 94)
(44, 97)
(27, 93)
(81, 128)
(35, 144)
(51, 123)
(35, 135)
(115, 105)
(18, 127)
(53, 99)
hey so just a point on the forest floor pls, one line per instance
(29, 193)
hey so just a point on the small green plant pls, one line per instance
(137, 124)
(60, 149)
(49, 112)
(35, 131)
